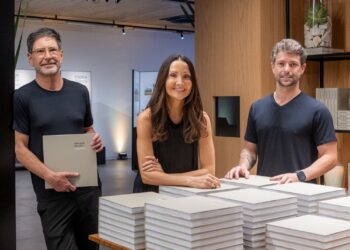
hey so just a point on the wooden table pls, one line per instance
(96, 238)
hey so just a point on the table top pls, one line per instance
(96, 238)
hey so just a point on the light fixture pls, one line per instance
(123, 31)
(122, 156)
(182, 35)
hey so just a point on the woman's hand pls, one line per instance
(204, 181)
(151, 164)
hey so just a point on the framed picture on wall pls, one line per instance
(24, 76)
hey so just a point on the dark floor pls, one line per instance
(116, 177)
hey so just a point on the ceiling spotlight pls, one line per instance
(123, 31)
(182, 35)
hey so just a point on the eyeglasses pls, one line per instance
(42, 51)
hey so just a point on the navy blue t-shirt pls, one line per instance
(39, 112)
(287, 136)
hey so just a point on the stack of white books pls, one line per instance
(308, 232)
(121, 218)
(336, 208)
(193, 222)
(309, 194)
(254, 181)
(259, 207)
(177, 191)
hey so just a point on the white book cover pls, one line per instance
(170, 194)
(125, 234)
(123, 225)
(279, 244)
(193, 207)
(271, 210)
(309, 191)
(192, 223)
(341, 204)
(255, 199)
(231, 244)
(270, 217)
(188, 191)
(131, 203)
(334, 214)
(192, 244)
(252, 181)
(112, 210)
(119, 219)
(234, 231)
(71, 153)
(262, 224)
(313, 227)
(308, 242)
(236, 223)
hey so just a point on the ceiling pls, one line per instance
(137, 13)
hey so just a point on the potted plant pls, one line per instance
(318, 25)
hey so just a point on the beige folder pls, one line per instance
(71, 153)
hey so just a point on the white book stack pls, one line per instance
(308, 232)
(193, 222)
(259, 207)
(177, 191)
(121, 218)
(254, 181)
(337, 208)
(308, 194)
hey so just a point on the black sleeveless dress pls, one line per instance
(174, 154)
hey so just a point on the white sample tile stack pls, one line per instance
(308, 194)
(308, 232)
(121, 218)
(193, 222)
(336, 208)
(254, 181)
(259, 207)
(177, 191)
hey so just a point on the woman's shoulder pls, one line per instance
(144, 116)
(206, 116)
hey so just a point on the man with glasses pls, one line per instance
(289, 133)
(51, 105)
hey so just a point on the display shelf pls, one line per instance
(342, 131)
(327, 57)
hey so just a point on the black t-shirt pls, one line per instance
(39, 112)
(287, 136)
(174, 154)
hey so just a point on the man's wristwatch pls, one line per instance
(301, 175)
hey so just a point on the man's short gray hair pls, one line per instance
(289, 46)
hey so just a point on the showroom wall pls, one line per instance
(111, 57)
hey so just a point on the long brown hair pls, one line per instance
(194, 123)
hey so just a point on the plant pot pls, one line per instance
(318, 24)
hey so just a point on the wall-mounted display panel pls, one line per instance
(142, 88)
(227, 116)
(24, 76)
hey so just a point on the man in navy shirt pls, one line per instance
(290, 133)
(51, 105)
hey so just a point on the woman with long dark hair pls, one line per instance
(174, 135)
